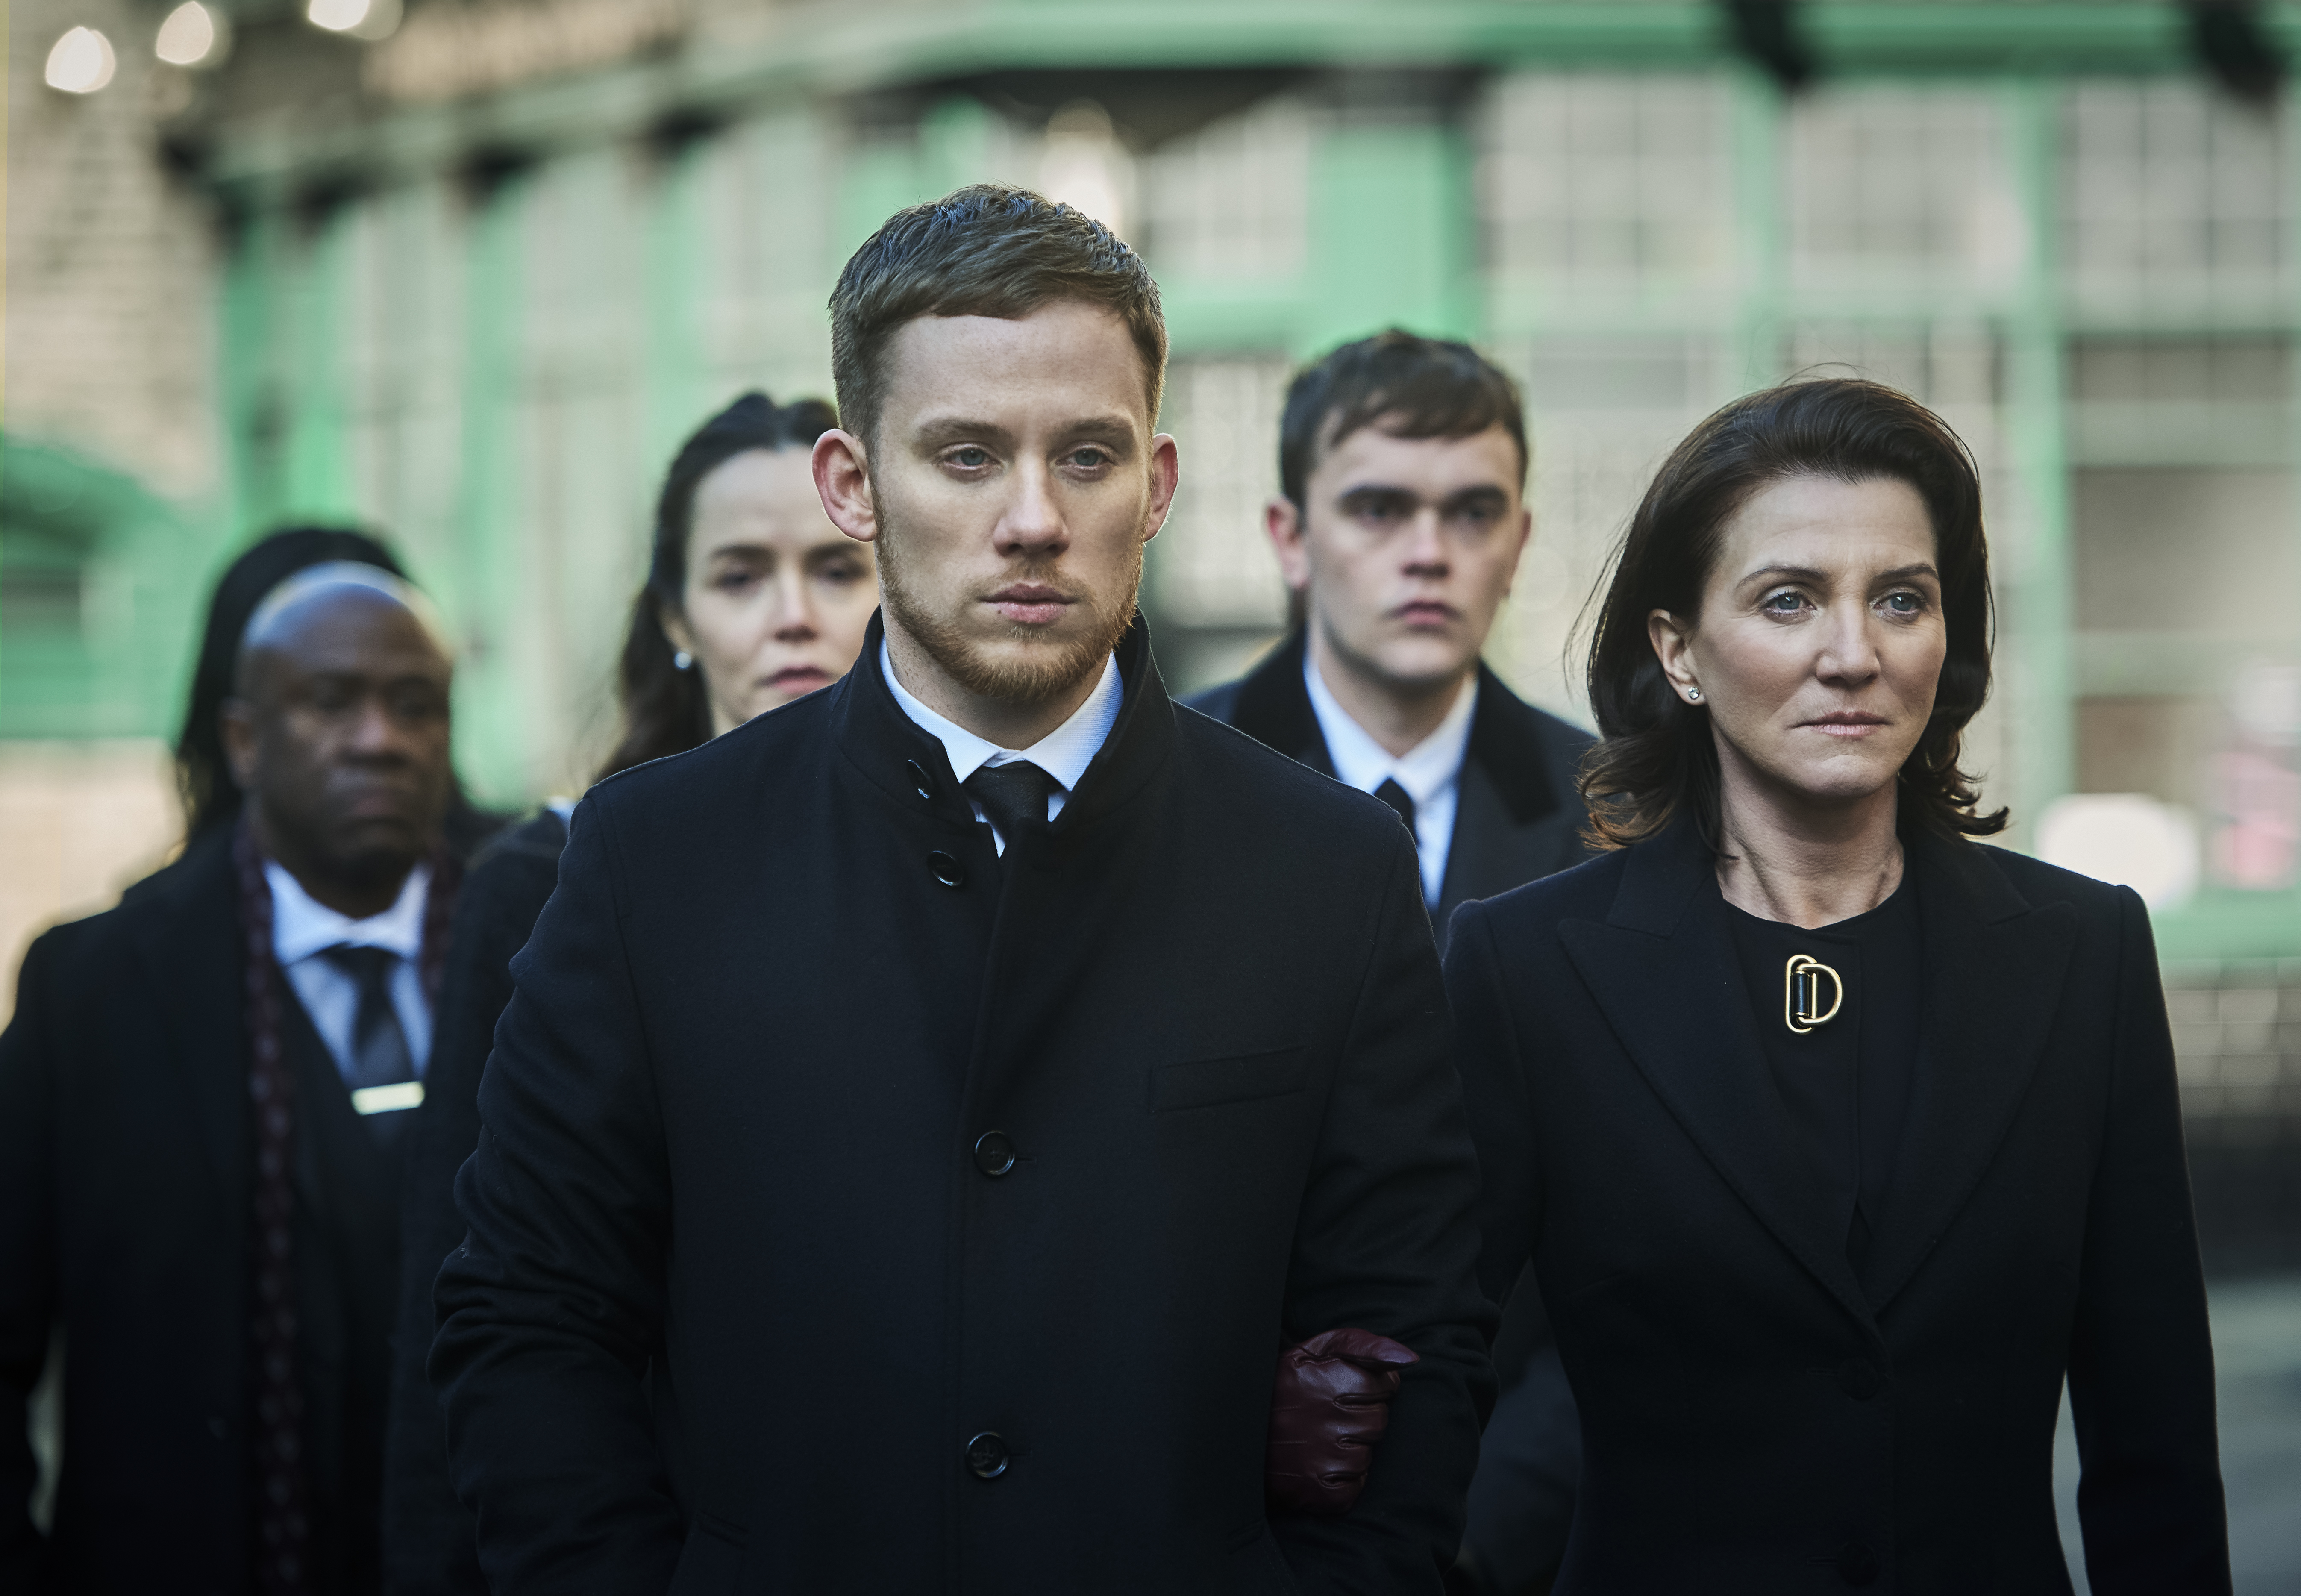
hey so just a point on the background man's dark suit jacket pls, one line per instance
(1519, 817)
(1756, 1418)
(125, 1185)
(743, 1100)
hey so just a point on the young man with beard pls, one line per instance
(204, 1098)
(960, 1084)
(1399, 525)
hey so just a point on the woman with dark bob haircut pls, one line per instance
(1838, 1141)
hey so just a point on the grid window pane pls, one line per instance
(1608, 183)
(1893, 185)
(2173, 198)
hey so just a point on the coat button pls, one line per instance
(1859, 1380)
(1857, 1564)
(947, 870)
(994, 1153)
(919, 778)
(986, 1455)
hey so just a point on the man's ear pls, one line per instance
(842, 480)
(1283, 523)
(1166, 471)
(237, 720)
(1524, 537)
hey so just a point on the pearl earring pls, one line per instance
(681, 660)
(1694, 694)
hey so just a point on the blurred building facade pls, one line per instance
(467, 273)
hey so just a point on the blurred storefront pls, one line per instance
(467, 272)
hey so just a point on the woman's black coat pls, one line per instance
(428, 1536)
(1755, 1417)
(743, 1107)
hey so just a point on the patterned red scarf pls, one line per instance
(283, 1566)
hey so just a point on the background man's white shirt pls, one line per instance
(1431, 771)
(302, 927)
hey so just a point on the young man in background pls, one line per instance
(1399, 524)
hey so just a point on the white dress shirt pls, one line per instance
(1431, 771)
(302, 927)
(1063, 752)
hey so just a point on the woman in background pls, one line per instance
(753, 599)
(1838, 1141)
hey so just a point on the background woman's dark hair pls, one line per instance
(666, 710)
(202, 779)
(1657, 757)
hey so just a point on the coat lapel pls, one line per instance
(1664, 973)
(1485, 858)
(194, 967)
(1507, 787)
(1994, 970)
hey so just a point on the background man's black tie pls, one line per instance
(379, 1054)
(1390, 792)
(1012, 795)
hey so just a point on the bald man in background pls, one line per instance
(202, 1096)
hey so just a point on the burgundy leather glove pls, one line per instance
(1331, 1405)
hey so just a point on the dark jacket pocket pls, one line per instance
(712, 1561)
(1240, 1078)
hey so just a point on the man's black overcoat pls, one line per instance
(922, 1162)
(125, 1185)
(1518, 815)
(1755, 1417)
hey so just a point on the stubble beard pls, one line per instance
(1048, 666)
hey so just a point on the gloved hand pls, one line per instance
(1331, 1404)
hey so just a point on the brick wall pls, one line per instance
(111, 262)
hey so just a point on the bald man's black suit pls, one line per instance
(970, 1200)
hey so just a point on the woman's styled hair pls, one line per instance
(1656, 758)
(667, 710)
(211, 798)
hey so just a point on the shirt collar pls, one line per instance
(1424, 770)
(1063, 752)
(302, 925)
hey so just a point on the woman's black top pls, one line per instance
(1844, 1083)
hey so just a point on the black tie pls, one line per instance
(379, 1055)
(1013, 795)
(1390, 792)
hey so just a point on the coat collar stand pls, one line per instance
(885, 743)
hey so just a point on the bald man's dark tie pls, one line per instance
(380, 1051)
(1013, 795)
(1390, 792)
